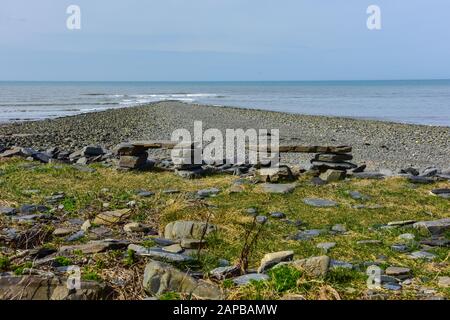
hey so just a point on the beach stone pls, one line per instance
(277, 215)
(340, 228)
(222, 273)
(420, 180)
(250, 277)
(356, 195)
(422, 255)
(398, 272)
(96, 246)
(261, 219)
(112, 217)
(61, 232)
(326, 246)
(407, 236)
(271, 259)
(315, 266)
(159, 254)
(401, 223)
(160, 278)
(435, 227)
(76, 236)
(443, 193)
(368, 175)
(332, 175)
(308, 234)
(333, 157)
(400, 248)
(38, 287)
(7, 211)
(187, 229)
(208, 192)
(174, 248)
(278, 188)
(444, 282)
(321, 203)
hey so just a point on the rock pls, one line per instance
(410, 170)
(160, 278)
(76, 236)
(92, 151)
(436, 242)
(443, 193)
(277, 215)
(31, 287)
(339, 228)
(96, 246)
(308, 234)
(278, 188)
(321, 203)
(322, 165)
(292, 296)
(316, 181)
(261, 219)
(422, 255)
(444, 282)
(398, 272)
(86, 225)
(400, 248)
(420, 180)
(355, 195)
(222, 273)
(340, 264)
(163, 242)
(401, 223)
(192, 173)
(134, 227)
(252, 211)
(407, 236)
(368, 175)
(7, 211)
(100, 232)
(282, 173)
(171, 191)
(315, 266)
(145, 194)
(83, 168)
(248, 278)
(332, 175)
(392, 286)
(31, 208)
(132, 162)
(435, 227)
(174, 248)
(326, 246)
(370, 207)
(208, 192)
(112, 217)
(271, 259)
(187, 229)
(430, 172)
(61, 232)
(13, 152)
(159, 254)
(333, 157)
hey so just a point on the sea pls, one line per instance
(425, 102)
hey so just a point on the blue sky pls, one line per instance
(207, 40)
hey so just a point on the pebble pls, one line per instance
(277, 215)
(261, 219)
(422, 255)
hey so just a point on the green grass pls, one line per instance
(84, 198)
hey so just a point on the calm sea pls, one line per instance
(422, 102)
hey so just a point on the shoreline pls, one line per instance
(378, 143)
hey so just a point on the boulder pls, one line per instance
(187, 229)
(271, 259)
(160, 278)
(315, 266)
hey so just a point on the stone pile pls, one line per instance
(332, 163)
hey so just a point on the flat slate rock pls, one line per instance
(443, 193)
(304, 149)
(422, 255)
(420, 180)
(278, 188)
(308, 234)
(321, 203)
(159, 254)
(333, 157)
(333, 165)
(356, 195)
(368, 175)
(247, 278)
(435, 227)
(7, 211)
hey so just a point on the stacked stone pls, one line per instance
(131, 156)
(185, 162)
(333, 162)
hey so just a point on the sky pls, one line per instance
(224, 40)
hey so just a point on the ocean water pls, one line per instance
(420, 102)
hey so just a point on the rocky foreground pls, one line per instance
(95, 223)
(381, 145)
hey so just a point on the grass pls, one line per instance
(85, 194)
